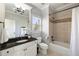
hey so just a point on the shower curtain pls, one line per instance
(74, 43)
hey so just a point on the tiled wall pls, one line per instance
(62, 31)
(62, 26)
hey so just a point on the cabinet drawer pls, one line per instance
(30, 44)
(19, 47)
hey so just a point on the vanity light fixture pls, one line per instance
(21, 7)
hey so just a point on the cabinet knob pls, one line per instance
(36, 42)
(25, 49)
(7, 51)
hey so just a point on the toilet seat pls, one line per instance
(43, 45)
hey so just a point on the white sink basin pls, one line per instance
(22, 41)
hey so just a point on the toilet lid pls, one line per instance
(43, 44)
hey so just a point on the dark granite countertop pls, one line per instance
(13, 42)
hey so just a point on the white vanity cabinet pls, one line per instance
(2, 12)
(26, 49)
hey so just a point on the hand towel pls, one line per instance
(3, 34)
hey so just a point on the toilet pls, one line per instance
(42, 46)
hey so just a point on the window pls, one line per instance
(36, 23)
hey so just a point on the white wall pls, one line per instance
(36, 12)
(61, 30)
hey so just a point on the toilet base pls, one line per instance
(43, 51)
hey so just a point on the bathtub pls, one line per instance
(59, 48)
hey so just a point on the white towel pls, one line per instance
(3, 34)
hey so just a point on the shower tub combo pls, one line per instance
(59, 48)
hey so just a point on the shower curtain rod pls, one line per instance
(66, 9)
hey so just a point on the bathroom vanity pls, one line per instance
(16, 25)
(24, 47)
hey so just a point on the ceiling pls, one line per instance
(60, 6)
(10, 7)
(54, 7)
(39, 5)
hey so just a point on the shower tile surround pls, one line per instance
(62, 26)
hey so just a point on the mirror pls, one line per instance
(16, 20)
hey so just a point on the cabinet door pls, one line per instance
(19, 50)
(31, 50)
(2, 12)
(27, 49)
(7, 52)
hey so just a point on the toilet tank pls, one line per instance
(39, 40)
